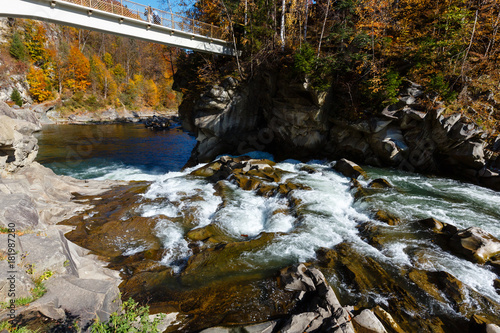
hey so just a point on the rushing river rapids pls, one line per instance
(180, 238)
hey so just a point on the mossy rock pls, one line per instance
(380, 183)
(207, 170)
(109, 239)
(210, 233)
(364, 275)
(267, 190)
(387, 217)
(222, 260)
(245, 182)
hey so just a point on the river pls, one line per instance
(330, 215)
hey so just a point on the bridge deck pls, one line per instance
(124, 18)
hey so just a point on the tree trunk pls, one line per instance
(305, 23)
(282, 32)
(323, 29)
(470, 43)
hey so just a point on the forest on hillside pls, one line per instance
(365, 50)
(88, 70)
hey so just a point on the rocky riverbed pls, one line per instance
(210, 244)
(245, 243)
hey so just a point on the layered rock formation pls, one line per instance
(32, 201)
(289, 119)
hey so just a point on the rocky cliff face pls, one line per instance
(291, 120)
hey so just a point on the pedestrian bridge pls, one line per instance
(124, 18)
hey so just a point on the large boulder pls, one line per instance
(83, 298)
(18, 147)
(319, 307)
(349, 169)
(18, 209)
(476, 244)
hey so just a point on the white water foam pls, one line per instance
(329, 216)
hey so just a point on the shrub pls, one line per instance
(17, 49)
(15, 96)
(133, 318)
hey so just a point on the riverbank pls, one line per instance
(49, 113)
(37, 259)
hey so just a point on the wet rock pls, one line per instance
(387, 319)
(447, 289)
(387, 217)
(367, 322)
(380, 183)
(349, 169)
(362, 274)
(245, 182)
(432, 223)
(475, 244)
(496, 284)
(157, 123)
(309, 169)
(115, 237)
(220, 260)
(440, 285)
(234, 300)
(211, 233)
(208, 170)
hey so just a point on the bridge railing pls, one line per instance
(138, 11)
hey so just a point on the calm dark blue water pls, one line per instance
(118, 151)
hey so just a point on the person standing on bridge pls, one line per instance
(148, 13)
(156, 17)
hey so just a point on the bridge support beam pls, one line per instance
(70, 14)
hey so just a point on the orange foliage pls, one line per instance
(39, 86)
(78, 70)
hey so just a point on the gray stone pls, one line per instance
(18, 210)
(18, 147)
(476, 244)
(296, 279)
(84, 298)
(367, 322)
(45, 252)
(23, 283)
(299, 323)
(492, 328)
(266, 327)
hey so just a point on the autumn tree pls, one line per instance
(39, 84)
(78, 70)
(34, 40)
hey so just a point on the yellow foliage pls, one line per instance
(78, 70)
(38, 83)
(150, 93)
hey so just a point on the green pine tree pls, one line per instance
(16, 97)
(17, 49)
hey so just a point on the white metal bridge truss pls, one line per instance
(124, 18)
